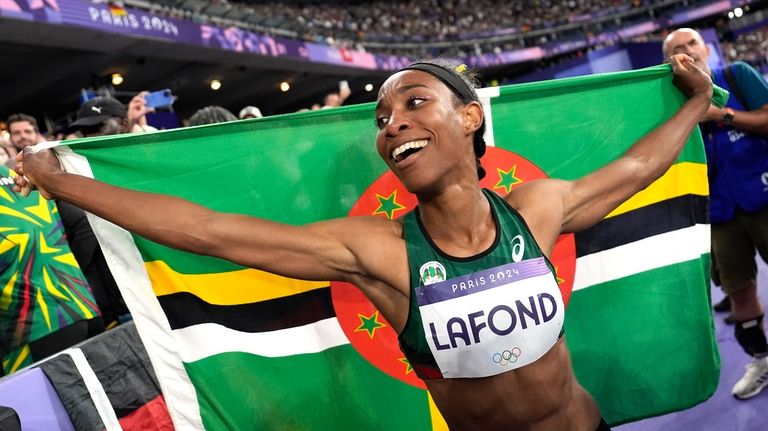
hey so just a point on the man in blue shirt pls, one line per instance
(737, 153)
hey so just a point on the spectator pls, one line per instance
(211, 114)
(250, 112)
(37, 321)
(335, 99)
(735, 140)
(23, 133)
(137, 114)
(99, 116)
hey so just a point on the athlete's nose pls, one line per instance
(397, 123)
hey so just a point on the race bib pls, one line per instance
(492, 321)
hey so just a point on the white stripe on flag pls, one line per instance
(649, 253)
(128, 269)
(485, 95)
(95, 390)
(312, 338)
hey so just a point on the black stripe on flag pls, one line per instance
(185, 309)
(120, 363)
(74, 395)
(665, 216)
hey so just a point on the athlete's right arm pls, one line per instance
(331, 250)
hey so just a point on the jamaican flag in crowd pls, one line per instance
(43, 290)
(237, 348)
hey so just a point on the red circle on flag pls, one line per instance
(370, 334)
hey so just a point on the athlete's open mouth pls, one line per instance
(402, 152)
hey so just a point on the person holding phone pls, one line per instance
(335, 99)
(137, 113)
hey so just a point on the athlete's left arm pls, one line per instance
(552, 207)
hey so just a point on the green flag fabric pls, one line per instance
(237, 348)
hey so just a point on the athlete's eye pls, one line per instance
(415, 101)
(380, 121)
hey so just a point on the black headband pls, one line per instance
(452, 80)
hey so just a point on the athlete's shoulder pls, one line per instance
(536, 192)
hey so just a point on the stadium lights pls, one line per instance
(738, 12)
(285, 86)
(368, 87)
(117, 79)
(215, 84)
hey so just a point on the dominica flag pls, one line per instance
(238, 348)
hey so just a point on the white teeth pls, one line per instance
(408, 145)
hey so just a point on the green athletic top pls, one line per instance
(481, 315)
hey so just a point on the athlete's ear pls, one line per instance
(472, 114)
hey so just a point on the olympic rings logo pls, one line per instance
(507, 356)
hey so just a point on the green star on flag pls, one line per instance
(557, 277)
(388, 205)
(369, 324)
(507, 179)
(408, 367)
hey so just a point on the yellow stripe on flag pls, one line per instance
(227, 288)
(438, 423)
(681, 179)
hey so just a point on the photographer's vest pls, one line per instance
(482, 315)
(737, 162)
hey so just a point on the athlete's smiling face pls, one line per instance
(424, 137)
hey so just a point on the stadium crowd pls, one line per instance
(415, 25)
(750, 47)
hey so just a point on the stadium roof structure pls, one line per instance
(45, 66)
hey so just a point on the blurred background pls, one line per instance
(287, 56)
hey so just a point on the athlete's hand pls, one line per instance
(34, 169)
(691, 80)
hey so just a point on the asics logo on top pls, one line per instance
(518, 248)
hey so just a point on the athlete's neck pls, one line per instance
(459, 220)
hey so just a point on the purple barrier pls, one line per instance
(36, 402)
